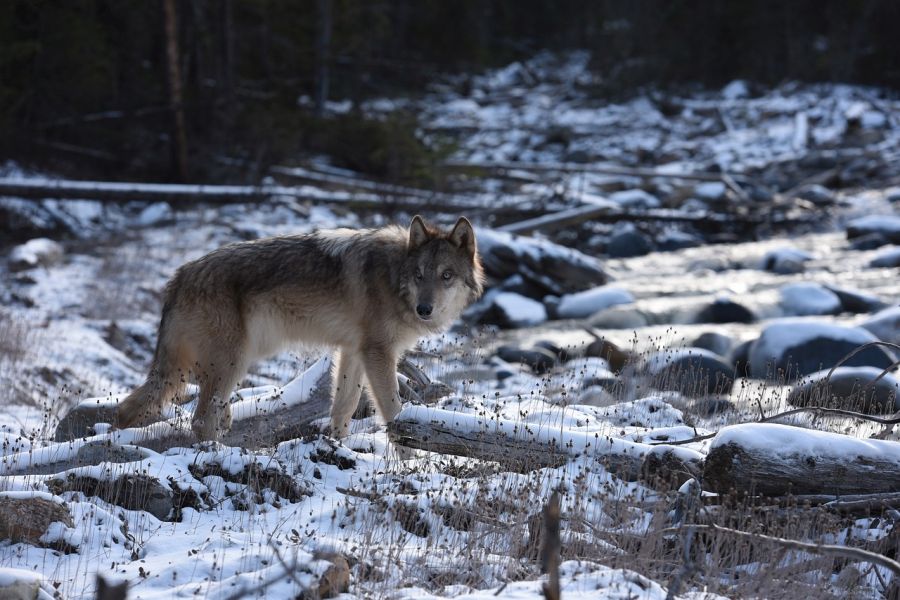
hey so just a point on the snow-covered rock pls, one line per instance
(636, 198)
(33, 253)
(806, 298)
(791, 348)
(785, 261)
(692, 372)
(885, 325)
(886, 225)
(849, 388)
(887, 258)
(156, 213)
(585, 304)
(627, 241)
(710, 191)
(515, 310)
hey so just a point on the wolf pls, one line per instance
(369, 294)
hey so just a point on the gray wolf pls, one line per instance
(368, 293)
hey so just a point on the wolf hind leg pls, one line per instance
(347, 389)
(212, 416)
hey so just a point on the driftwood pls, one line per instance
(523, 447)
(126, 192)
(776, 460)
(587, 168)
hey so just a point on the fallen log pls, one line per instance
(776, 460)
(565, 167)
(522, 446)
(112, 191)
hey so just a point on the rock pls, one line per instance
(636, 198)
(628, 242)
(715, 342)
(855, 301)
(885, 325)
(155, 214)
(711, 191)
(93, 453)
(616, 357)
(25, 516)
(336, 578)
(79, 422)
(724, 310)
(596, 395)
(892, 195)
(553, 268)
(21, 584)
(888, 258)
(693, 372)
(132, 491)
(807, 298)
(791, 348)
(540, 360)
(785, 261)
(675, 239)
(817, 194)
(39, 252)
(886, 225)
(562, 354)
(735, 90)
(620, 317)
(740, 358)
(870, 241)
(511, 310)
(849, 388)
(584, 304)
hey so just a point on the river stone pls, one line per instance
(540, 360)
(791, 348)
(693, 372)
(849, 388)
(724, 310)
(885, 325)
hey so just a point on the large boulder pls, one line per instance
(791, 348)
(849, 388)
(724, 310)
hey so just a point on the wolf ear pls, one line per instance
(418, 233)
(463, 236)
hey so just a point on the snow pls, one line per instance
(586, 303)
(519, 310)
(636, 198)
(807, 298)
(735, 90)
(38, 251)
(710, 190)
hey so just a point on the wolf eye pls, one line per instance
(447, 275)
(419, 274)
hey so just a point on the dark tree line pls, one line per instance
(160, 88)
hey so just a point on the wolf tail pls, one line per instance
(166, 380)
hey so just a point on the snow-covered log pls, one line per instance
(518, 446)
(776, 460)
(124, 192)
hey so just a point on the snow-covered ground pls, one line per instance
(81, 325)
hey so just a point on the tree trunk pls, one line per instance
(176, 92)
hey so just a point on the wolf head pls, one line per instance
(442, 272)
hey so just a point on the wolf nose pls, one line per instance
(423, 310)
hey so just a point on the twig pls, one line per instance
(856, 554)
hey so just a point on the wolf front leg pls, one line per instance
(381, 371)
(347, 389)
